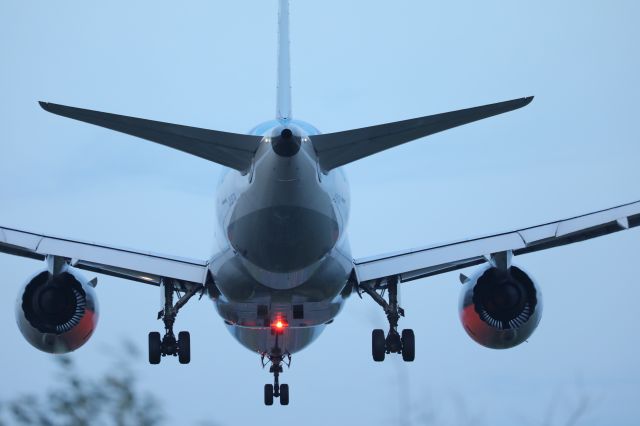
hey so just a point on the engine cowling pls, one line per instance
(500, 309)
(57, 313)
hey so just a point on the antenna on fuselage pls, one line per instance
(283, 106)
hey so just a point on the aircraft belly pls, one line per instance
(263, 341)
(316, 299)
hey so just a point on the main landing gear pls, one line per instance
(169, 344)
(394, 342)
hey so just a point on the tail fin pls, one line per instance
(283, 107)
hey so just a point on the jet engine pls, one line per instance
(500, 308)
(57, 313)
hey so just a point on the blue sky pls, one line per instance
(212, 64)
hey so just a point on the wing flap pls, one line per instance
(595, 220)
(417, 263)
(229, 149)
(423, 262)
(19, 239)
(125, 263)
(337, 149)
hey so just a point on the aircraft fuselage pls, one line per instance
(284, 254)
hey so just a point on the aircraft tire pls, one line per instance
(155, 347)
(268, 394)
(408, 345)
(284, 394)
(378, 345)
(184, 347)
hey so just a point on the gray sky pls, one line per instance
(355, 63)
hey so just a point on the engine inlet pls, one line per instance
(54, 304)
(505, 300)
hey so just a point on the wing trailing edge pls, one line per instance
(229, 149)
(424, 262)
(337, 149)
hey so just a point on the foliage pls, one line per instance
(112, 399)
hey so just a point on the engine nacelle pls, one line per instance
(500, 309)
(57, 313)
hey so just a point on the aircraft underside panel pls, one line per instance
(264, 341)
(311, 297)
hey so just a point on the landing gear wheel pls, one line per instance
(169, 344)
(408, 345)
(394, 342)
(378, 345)
(155, 347)
(268, 394)
(277, 358)
(184, 347)
(284, 394)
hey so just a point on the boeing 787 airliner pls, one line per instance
(283, 269)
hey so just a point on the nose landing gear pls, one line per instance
(276, 390)
(394, 342)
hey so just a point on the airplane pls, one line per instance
(283, 270)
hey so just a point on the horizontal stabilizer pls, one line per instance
(229, 149)
(337, 149)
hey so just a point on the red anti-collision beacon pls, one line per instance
(278, 326)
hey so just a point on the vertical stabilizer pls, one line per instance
(283, 107)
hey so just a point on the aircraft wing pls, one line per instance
(424, 262)
(124, 263)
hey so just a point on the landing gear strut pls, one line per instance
(169, 344)
(276, 358)
(394, 342)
